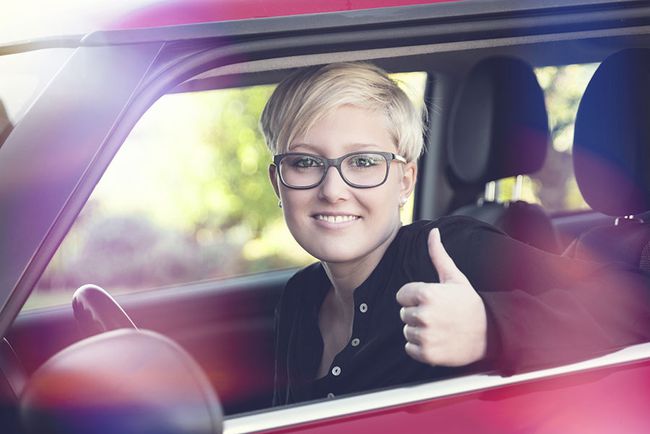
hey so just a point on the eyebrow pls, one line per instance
(350, 147)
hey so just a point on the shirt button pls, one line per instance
(336, 371)
(330, 395)
(355, 342)
(363, 307)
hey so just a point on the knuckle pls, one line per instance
(423, 296)
(424, 318)
(415, 316)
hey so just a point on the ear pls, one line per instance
(273, 176)
(409, 177)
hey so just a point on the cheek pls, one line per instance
(382, 203)
(392, 193)
(294, 203)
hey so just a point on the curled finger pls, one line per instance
(412, 334)
(415, 351)
(411, 316)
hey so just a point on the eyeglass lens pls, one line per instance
(363, 169)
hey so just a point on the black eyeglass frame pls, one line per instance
(336, 162)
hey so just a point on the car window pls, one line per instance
(23, 76)
(186, 199)
(554, 186)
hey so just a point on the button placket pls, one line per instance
(360, 324)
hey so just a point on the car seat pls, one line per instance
(499, 129)
(611, 157)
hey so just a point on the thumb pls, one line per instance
(442, 262)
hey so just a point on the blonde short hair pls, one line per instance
(311, 93)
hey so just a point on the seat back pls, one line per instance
(611, 157)
(499, 129)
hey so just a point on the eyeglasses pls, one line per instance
(358, 169)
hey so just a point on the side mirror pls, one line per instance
(121, 381)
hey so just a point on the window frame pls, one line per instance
(155, 77)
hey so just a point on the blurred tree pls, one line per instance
(240, 160)
(563, 87)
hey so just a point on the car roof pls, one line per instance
(177, 20)
(30, 19)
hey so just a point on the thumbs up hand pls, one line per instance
(444, 323)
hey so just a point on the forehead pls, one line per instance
(345, 129)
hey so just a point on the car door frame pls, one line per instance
(151, 58)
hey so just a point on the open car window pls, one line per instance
(186, 199)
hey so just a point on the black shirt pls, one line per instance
(521, 287)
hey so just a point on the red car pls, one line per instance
(130, 158)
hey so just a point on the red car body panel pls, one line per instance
(201, 11)
(604, 400)
(79, 18)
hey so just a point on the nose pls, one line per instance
(333, 188)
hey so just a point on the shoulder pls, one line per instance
(458, 235)
(453, 229)
(309, 274)
(300, 283)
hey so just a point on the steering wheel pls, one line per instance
(96, 311)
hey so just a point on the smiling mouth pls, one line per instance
(336, 218)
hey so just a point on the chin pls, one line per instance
(334, 255)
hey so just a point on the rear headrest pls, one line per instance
(123, 381)
(499, 126)
(611, 150)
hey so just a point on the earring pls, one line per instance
(280, 203)
(402, 202)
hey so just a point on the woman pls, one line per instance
(386, 304)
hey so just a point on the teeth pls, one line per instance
(337, 218)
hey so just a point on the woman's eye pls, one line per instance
(361, 161)
(306, 162)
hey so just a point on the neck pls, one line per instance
(347, 276)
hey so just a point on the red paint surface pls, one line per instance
(606, 400)
(175, 12)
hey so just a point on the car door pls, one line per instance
(57, 155)
(203, 314)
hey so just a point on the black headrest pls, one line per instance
(611, 150)
(123, 381)
(499, 126)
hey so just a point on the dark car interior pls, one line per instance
(611, 155)
(487, 121)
